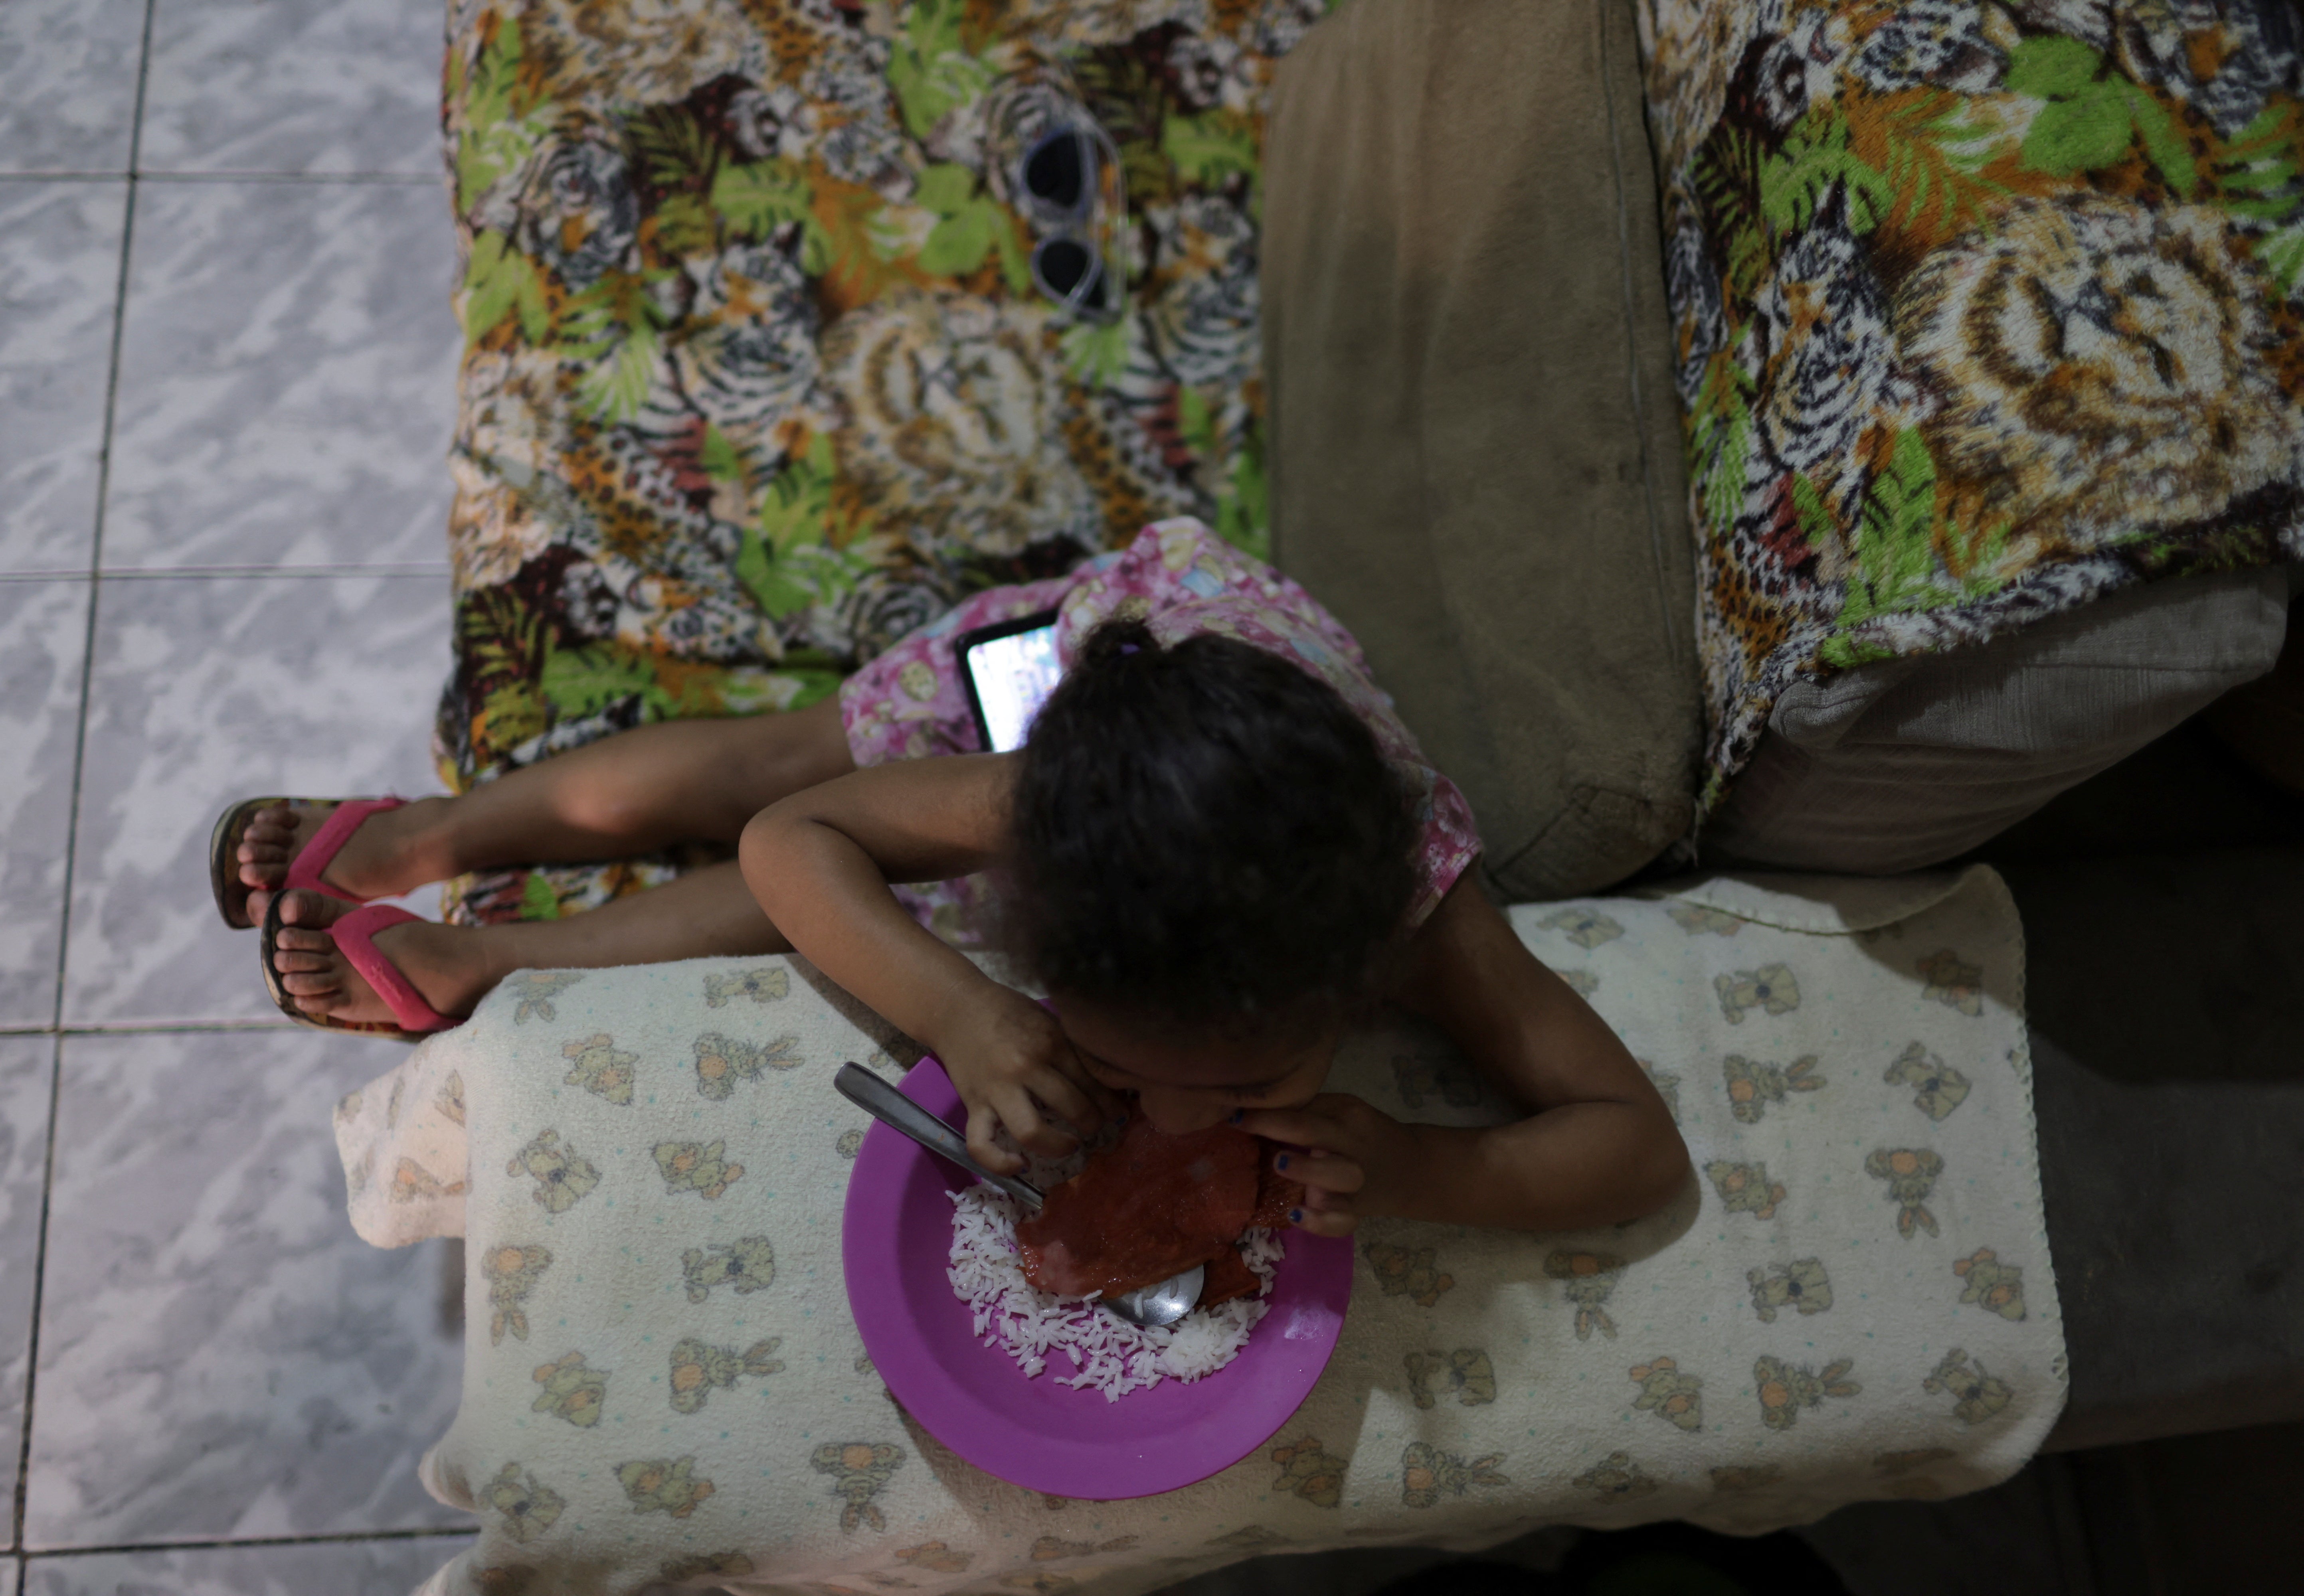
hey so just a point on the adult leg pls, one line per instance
(708, 912)
(632, 793)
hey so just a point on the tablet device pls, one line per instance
(1009, 669)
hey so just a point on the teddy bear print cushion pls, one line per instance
(1852, 1298)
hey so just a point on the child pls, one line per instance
(1218, 848)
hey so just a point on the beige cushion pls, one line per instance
(1903, 764)
(1475, 452)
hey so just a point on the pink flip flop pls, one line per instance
(355, 937)
(303, 870)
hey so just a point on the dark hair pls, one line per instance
(1205, 835)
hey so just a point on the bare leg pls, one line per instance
(706, 913)
(632, 793)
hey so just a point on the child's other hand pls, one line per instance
(1357, 1161)
(1013, 1066)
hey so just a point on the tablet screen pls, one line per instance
(1014, 676)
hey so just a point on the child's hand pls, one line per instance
(1357, 1161)
(1014, 1066)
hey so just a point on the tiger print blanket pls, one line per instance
(756, 378)
(1985, 308)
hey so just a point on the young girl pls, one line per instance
(1218, 848)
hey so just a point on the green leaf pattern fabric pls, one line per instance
(1985, 308)
(756, 379)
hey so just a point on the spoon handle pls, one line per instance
(900, 1113)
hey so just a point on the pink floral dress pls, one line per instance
(908, 703)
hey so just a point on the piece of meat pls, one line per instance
(1275, 1194)
(1143, 1209)
(1228, 1276)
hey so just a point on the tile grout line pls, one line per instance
(130, 573)
(39, 1280)
(342, 1538)
(153, 1027)
(102, 493)
(79, 765)
(382, 179)
(376, 180)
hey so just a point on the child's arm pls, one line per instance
(820, 862)
(1598, 1145)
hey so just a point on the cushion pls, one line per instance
(2263, 722)
(1983, 313)
(757, 379)
(1473, 449)
(1852, 1299)
(1902, 764)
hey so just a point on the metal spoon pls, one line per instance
(1149, 1306)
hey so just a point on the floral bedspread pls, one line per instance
(1984, 308)
(756, 378)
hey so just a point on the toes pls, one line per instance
(299, 907)
(290, 963)
(302, 941)
(311, 986)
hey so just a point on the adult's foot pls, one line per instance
(445, 963)
(380, 858)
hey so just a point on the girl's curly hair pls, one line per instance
(1204, 835)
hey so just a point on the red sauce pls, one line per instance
(1228, 1277)
(1148, 1206)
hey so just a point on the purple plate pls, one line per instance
(895, 1244)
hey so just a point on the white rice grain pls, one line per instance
(1106, 1355)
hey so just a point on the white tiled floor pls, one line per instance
(43, 643)
(68, 77)
(226, 369)
(284, 365)
(57, 300)
(307, 87)
(309, 1345)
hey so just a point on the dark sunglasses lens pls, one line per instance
(1063, 262)
(1053, 173)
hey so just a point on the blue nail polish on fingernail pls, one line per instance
(1281, 1162)
(1295, 1216)
(1237, 1115)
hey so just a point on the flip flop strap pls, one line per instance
(355, 936)
(315, 855)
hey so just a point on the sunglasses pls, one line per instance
(1058, 179)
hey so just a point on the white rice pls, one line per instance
(1107, 1354)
